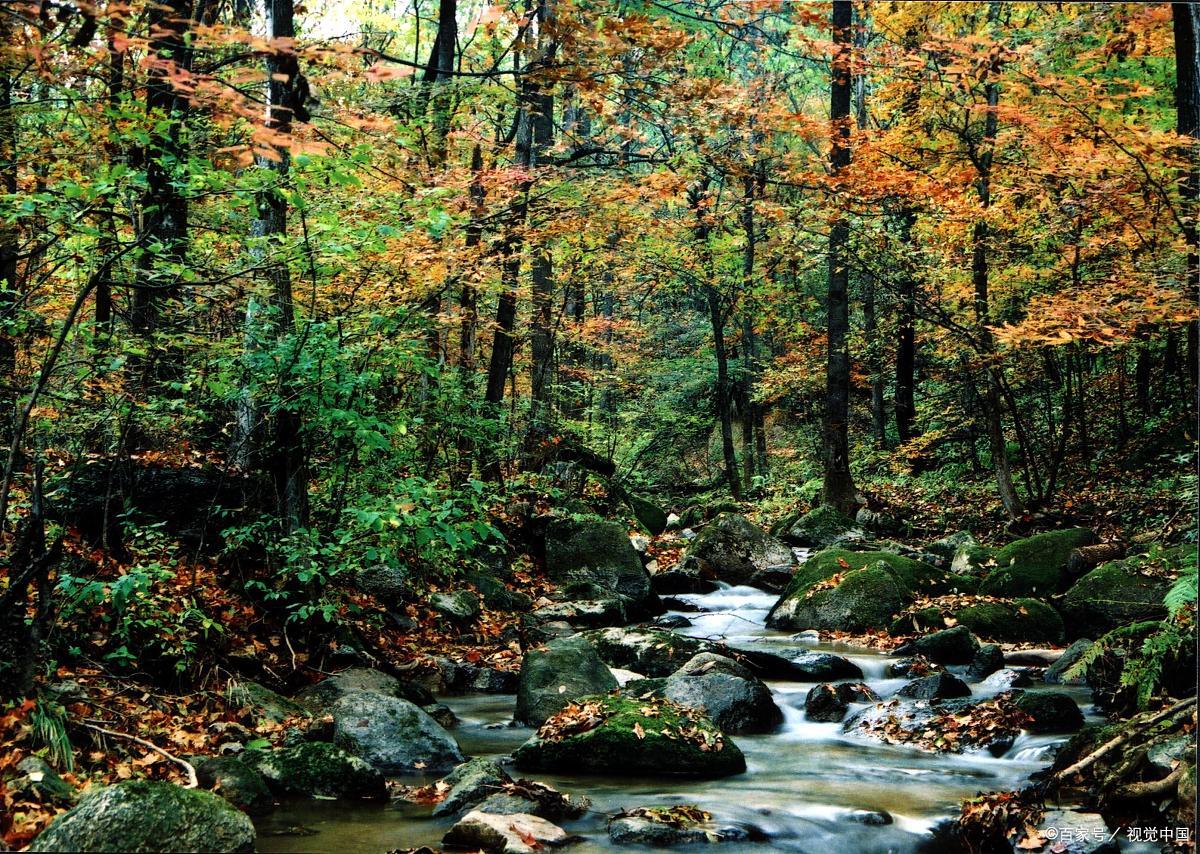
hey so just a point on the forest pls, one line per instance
(601, 424)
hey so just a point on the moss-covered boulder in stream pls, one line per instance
(316, 769)
(556, 674)
(394, 735)
(596, 552)
(1035, 566)
(726, 692)
(733, 549)
(631, 736)
(651, 652)
(871, 588)
(145, 815)
(990, 618)
(1122, 591)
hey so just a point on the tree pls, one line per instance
(838, 490)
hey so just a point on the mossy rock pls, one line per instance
(949, 646)
(821, 527)
(947, 546)
(559, 673)
(1119, 592)
(316, 769)
(875, 586)
(1019, 620)
(628, 742)
(649, 515)
(394, 735)
(973, 559)
(733, 549)
(235, 781)
(593, 551)
(652, 652)
(267, 704)
(1051, 711)
(495, 594)
(147, 816)
(1035, 566)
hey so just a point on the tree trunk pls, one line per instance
(444, 58)
(9, 236)
(1186, 18)
(724, 389)
(992, 399)
(839, 490)
(906, 338)
(283, 456)
(164, 209)
(541, 274)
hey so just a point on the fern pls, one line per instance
(49, 722)
(1183, 592)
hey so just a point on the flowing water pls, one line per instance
(806, 786)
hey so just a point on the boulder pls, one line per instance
(654, 652)
(829, 702)
(1120, 592)
(631, 736)
(820, 528)
(558, 673)
(145, 815)
(40, 782)
(266, 704)
(391, 734)
(807, 598)
(972, 559)
(726, 692)
(987, 660)
(459, 605)
(949, 646)
(649, 515)
(1070, 831)
(513, 834)
(389, 585)
(948, 546)
(319, 697)
(1006, 679)
(733, 549)
(685, 579)
(1051, 711)
(1035, 566)
(580, 614)
(1056, 673)
(597, 552)
(896, 721)
(648, 833)
(819, 667)
(938, 686)
(469, 785)
(235, 781)
(1018, 620)
(316, 769)
(495, 594)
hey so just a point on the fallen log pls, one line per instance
(1086, 558)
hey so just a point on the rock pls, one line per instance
(40, 782)
(773, 579)
(1019, 620)
(1165, 754)
(1117, 593)
(561, 672)
(491, 680)
(883, 589)
(581, 613)
(649, 515)
(910, 668)
(726, 692)
(820, 528)
(624, 677)
(939, 686)
(880, 721)
(829, 702)
(1071, 832)
(653, 652)
(235, 781)
(948, 546)
(640, 543)
(987, 660)
(267, 705)
(822, 667)
(441, 713)
(392, 734)
(495, 594)
(469, 785)
(733, 549)
(319, 697)
(871, 818)
(390, 585)
(1035, 565)
(671, 622)
(627, 741)
(672, 522)
(1056, 672)
(144, 816)
(1004, 680)
(598, 552)
(949, 646)
(316, 769)
(972, 559)
(640, 830)
(675, 581)
(1052, 711)
(515, 834)
(459, 605)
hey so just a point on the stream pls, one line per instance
(807, 784)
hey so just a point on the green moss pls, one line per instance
(316, 768)
(615, 747)
(1028, 620)
(912, 574)
(866, 599)
(653, 652)
(1035, 565)
(821, 526)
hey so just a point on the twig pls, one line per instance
(192, 783)
(1109, 746)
